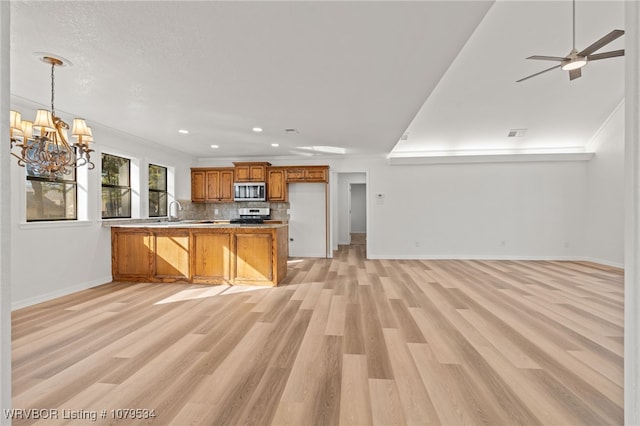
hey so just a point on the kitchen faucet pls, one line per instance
(179, 207)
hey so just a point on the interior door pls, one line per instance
(307, 220)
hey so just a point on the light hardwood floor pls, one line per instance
(345, 341)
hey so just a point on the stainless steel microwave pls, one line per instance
(249, 191)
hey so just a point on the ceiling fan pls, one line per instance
(575, 60)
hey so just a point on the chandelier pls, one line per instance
(43, 145)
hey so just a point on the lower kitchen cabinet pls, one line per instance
(213, 254)
(253, 259)
(210, 259)
(171, 256)
(131, 254)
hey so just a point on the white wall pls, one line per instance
(604, 229)
(5, 218)
(358, 208)
(53, 259)
(504, 210)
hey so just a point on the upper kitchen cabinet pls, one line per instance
(276, 184)
(212, 185)
(307, 174)
(198, 194)
(251, 171)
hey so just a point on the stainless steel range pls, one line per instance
(252, 215)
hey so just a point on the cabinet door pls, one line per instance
(131, 254)
(316, 175)
(254, 258)
(213, 185)
(198, 192)
(210, 254)
(257, 173)
(276, 186)
(226, 185)
(295, 175)
(243, 173)
(171, 257)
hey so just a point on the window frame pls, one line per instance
(113, 186)
(164, 191)
(65, 182)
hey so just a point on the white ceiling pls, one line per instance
(350, 75)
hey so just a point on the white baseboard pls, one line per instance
(58, 293)
(603, 262)
(496, 257)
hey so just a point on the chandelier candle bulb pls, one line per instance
(27, 129)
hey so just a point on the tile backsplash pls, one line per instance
(224, 211)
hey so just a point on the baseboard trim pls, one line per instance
(494, 257)
(59, 293)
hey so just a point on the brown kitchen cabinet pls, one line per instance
(210, 256)
(170, 255)
(198, 185)
(212, 185)
(131, 254)
(207, 254)
(276, 184)
(250, 171)
(307, 174)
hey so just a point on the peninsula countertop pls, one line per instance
(197, 224)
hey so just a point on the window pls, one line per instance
(116, 187)
(49, 199)
(157, 191)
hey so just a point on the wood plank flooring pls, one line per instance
(344, 341)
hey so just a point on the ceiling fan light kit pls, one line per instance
(575, 60)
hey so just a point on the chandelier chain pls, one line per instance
(53, 66)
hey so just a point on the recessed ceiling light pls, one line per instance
(183, 131)
(275, 145)
(257, 129)
(215, 146)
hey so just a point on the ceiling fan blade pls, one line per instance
(573, 74)
(602, 42)
(548, 58)
(605, 55)
(538, 73)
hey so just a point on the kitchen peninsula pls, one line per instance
(204, 252)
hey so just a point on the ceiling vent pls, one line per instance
(516, 133)
(291, 131)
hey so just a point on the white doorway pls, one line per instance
(341, 206)
(357, 213)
